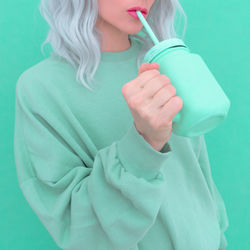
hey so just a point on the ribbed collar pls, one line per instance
(124, 55)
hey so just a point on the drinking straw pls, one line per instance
(147, 27)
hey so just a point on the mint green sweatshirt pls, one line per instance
(92, 179)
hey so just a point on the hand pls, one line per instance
(153, 104)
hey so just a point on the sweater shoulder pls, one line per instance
(45, 71)
(44, 76)
(43, 85)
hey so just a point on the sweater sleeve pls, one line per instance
(107, 203)
(221, 209)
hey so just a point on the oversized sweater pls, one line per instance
(92, 179)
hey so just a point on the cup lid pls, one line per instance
(163, 45)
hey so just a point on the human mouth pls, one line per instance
(132, 11)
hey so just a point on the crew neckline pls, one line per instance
(121, 55)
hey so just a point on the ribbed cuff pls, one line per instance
(139, 157)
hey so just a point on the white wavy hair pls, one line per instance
(74, 37)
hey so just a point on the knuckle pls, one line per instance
(178, 100)
(165, 78)
(125, 90)
(172, 90)
(135, 102)
(132, 103)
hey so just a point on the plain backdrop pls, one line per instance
(216, 30)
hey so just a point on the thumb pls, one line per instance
(147, 66)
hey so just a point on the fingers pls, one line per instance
(171, 108)
(154, 86)
(162, 96)
(144, 74)
(148, 72)
(147, 66)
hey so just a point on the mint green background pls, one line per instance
(217, 30)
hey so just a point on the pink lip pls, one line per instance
(133, 14)
(138, 8)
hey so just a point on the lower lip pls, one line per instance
(133, 14)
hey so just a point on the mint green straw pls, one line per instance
(147, 27)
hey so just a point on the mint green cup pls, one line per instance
(205, 105)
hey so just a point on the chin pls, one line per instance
(133, 30)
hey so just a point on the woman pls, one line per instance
(98, 167)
